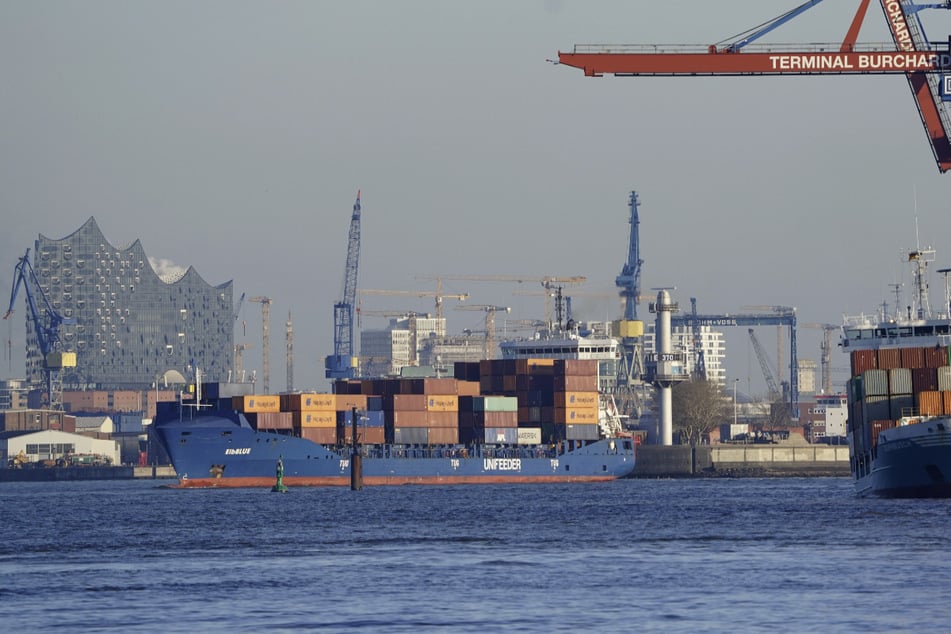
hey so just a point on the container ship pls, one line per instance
(494, 421)
(899, 423)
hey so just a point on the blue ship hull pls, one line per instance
(215, 451)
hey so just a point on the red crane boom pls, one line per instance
(923, 64)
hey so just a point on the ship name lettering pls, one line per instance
(237, 451)
(502, 464)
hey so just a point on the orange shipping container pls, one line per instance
(442, 403)
(889, 358)
(443, 435)
(442, 419)
(930, 403)
(576, 415)
(365, 435)
(315, 419)
(308, 402)
(405, 402)
(257, 403)
(346, 402)
(404, 418)
(576, 399)
(468, 388)
(946, 399)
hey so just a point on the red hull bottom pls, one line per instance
(233, 483)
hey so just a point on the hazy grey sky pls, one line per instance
(233, 136)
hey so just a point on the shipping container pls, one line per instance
(944, 378)
(876, 408)
(501, 435)
(368, 418)
(875, 383)
(876, 427)
(405, 402)
(577, 399)
(946, 401)
(901, 405)
(575, 383)
(924, 379)
(257, 403)
(576, 367)
(889, 358)
(271, 420)
(434, 386)
(442, 419)
(320, 435)
(930, 403)
(349, 401)
(365, 435)
(314, 419)
(583, 415)
(936, 357)
(863, 360)
(443, 435)
(576, 431)
(899, 381)
(411, 435)
(529, 435)
(912, 358)
(442, 403)
(308, 402)
(494, 404)
(405, 418)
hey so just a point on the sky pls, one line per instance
(233, 136)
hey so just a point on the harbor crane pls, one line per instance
(46, 325)
(490, 311)
(342, 363)
(265, 339)
(771, 386)
(925, 65)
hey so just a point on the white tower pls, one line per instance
(665, 367)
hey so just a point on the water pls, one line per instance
(791, 555)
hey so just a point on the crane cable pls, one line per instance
(754, 29)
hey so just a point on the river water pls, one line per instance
(780, 554)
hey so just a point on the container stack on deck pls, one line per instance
(891, 383)
(523, 401)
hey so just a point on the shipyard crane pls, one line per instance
(265, 339)
(699, 364)
(629, 281)
(342, 363)
(825, 349)
(925, 65)
(771, 386)
(46, 325)
(490, 311)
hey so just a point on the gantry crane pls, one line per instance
(825, 349)
(926, 66)
(342, 363)
(265, 339)
(490, 311)
(46, 324)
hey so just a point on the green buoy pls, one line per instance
(279, 486)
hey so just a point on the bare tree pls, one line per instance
(699, 406)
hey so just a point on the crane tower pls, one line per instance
(265, 339)
(341, 364)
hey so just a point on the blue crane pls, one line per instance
(340, 365)
(46, 325)
(629, 281)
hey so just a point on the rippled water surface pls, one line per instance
(790, 555)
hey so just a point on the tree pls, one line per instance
(698, 406)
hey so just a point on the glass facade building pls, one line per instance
(131, 326)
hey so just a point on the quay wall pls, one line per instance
(741, 460)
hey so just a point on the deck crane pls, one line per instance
(46, 324)
(342, 363)
(926, 65)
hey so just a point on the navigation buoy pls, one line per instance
(279, 486)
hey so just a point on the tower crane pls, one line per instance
(341, 364)
(46, 324)
(825, 350)
(265, 339)
(925, 65)
(490, 311)
(439, 296)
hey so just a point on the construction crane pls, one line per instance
(289, 340)
(265, 339)
(771, 385)
(238, 348)
(46, 324)
(342, 363)
(825, 349)
(490, 311)
(438, 295)
(548, 282)
(925, 65)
